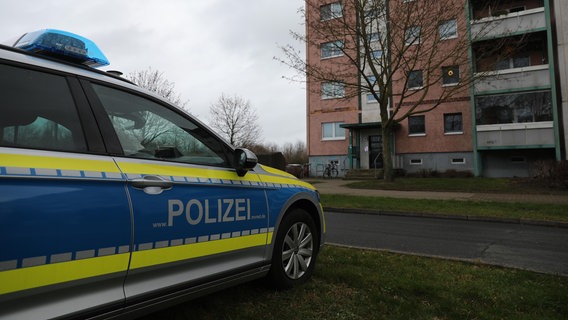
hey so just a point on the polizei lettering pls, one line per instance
(201, 211)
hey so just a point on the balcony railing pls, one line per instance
(509, 23)
(536, 134)
(513, 79)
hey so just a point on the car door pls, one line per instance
(65, 224)
(195, 218)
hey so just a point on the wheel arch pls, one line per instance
(306, 202)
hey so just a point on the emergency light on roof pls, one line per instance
(63, 45)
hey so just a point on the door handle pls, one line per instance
(152, 184)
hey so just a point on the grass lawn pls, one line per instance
(364, 284)
(517, 211)
(481, 185)
(508, 210)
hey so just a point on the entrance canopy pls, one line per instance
(355, 126)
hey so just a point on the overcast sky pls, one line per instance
(205, 47)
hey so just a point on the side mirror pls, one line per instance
(245, 160)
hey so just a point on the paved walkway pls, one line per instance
(337, 186)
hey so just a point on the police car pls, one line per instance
(114, 202)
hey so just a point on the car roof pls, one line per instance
(29, 58)
(26, 57)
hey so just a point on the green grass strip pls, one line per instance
(528, 211)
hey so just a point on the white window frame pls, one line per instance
(376, 54)
(417, 134)
(458, 161)
(453, 132)
(335, 11)
(412, 35)
(373, 37)
(337, 133)
(415, 162)
(422, 80)
(332, 90)
(448, 25)
(332, 49)
(451, 83)
(370, 97)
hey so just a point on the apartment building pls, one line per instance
(509, 118)
(516, 106)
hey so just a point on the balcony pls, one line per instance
(505, 24)
(513, 79)
(515, 135)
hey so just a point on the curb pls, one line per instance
(542, 223)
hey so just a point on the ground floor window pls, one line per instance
(417, 125)
(453, 123)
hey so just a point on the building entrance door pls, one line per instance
(376, 152)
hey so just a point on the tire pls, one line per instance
(295, 250)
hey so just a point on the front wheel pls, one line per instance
(295, 250)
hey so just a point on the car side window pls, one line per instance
(38, 111)
(152, 131)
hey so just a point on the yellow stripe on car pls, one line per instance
(281, 177)
(146, 258)
(39, 276)
(44, 162)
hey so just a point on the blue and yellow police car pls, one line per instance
(114, 202)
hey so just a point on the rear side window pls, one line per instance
(38, 111)
(149, 130)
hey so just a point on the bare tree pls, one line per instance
(379, 44)
(295, 152)
(235, 119)
(155, 81)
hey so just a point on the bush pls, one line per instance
(553, 174)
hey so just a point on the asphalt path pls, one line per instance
(536, 248)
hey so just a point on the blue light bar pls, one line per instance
(63, 45)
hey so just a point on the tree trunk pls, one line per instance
(388, 172)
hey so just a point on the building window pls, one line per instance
(510, 63)
(376, 54)
(332, 49)
(331, 11)
(371, 14)
(371, 98)
(412, 35)
(332, 90)
(458, 160)
(415, 162)
(448, 29)
(521, 62)
(372, 80)
(453, 123)
(332, 131)
(415, 79)
(514, 108)
(417, 125)
(373, 37)
(450, 75)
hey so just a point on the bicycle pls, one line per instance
(331, 170)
